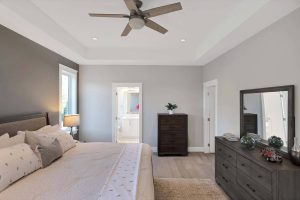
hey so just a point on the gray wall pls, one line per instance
(161, 84)
(271, 58)
(29, 76)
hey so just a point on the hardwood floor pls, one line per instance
(196, 165)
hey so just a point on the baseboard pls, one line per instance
(190, 149)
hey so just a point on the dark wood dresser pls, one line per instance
(172, 134)
(245, 175)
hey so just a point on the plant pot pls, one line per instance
(171, 112)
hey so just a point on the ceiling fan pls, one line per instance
(138, 18)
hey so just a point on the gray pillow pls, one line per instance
(50, 152)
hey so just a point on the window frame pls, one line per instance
(64, 70)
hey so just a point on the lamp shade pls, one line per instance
(71, 120)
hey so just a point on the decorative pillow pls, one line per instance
(18, 139)
(49, 129)
(49, 152)
(66, 140)
(16, 161)
(4, 136)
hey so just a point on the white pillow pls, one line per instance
(65, 139)
(49, 128)
(4, 136)
(17, 161)
(18, 139)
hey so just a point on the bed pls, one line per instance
(95, 171)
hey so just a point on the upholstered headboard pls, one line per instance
(32, 122)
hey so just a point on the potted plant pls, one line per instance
(275, 142)
(171, 108)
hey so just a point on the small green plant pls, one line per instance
(275, 142)
(170, 106)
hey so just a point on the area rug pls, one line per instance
(187, 189)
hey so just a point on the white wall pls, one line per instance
(271, 58)
(161, 84)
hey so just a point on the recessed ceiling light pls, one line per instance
(182, 40)
(94, 38)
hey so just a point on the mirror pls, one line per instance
(269, 112)
(133, 102)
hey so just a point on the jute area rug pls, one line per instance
(187, 189)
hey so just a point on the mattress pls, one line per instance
(91, 171)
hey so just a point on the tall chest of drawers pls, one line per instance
(245, 175)
(172, 134)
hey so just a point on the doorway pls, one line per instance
(127, 112)
(210, 97)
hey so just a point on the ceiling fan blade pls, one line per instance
(131, 5)
(151, 24)
(162, 10)
(109, 15)
(126, 30)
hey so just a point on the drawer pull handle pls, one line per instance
(253, 190)
(243, 164)
(225, 166)
(259, 176)
(224, 179)
(219, 149)
(230, 156)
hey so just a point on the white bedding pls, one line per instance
(91, 171)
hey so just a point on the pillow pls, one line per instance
(18, 139)
(4, 136)
(16, 161)
(65, 139)
(31, 139)
(49, 152)
(49, 128)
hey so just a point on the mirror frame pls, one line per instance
(291, 114)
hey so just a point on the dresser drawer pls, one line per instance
(172, 149)
(226, 153)
(167, 139)
(228, 184)
(251, 186)
(225, 167)
(259, 174)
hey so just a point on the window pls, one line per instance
(67, 92)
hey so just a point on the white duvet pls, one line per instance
(90, 171)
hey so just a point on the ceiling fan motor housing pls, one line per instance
(136, 22)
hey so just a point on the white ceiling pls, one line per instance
(210, 28)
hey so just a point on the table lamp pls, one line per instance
(71, 121)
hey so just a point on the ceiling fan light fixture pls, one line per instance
(136, 22)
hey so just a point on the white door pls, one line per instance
(127, 113)
(210, 119)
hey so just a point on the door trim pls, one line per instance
(114, 111)
(206, 137)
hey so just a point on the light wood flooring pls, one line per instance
(196, 165)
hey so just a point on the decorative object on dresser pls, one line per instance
(246, 175)
(171, 108)
(72, 121)
(295, 152)
(172, 134)
(248, 142)
(275, 142)
(270, 154)
(275, 110)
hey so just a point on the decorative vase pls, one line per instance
(171, 112)
(248, 142)
(275, 142)
(295, 157)
(295, 152)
